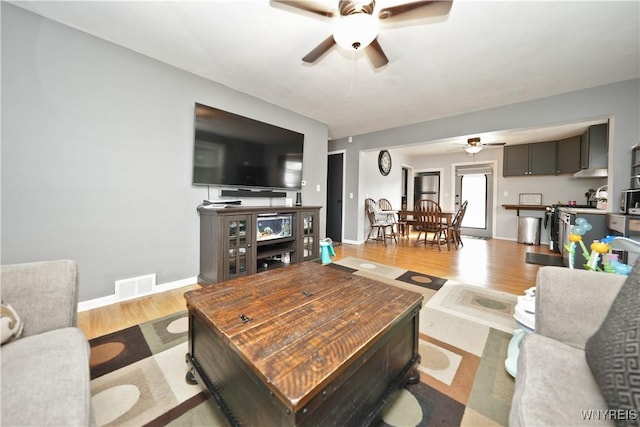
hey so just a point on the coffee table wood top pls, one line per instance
(298, 327)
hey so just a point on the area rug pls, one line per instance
(544, 259)
(138, 374)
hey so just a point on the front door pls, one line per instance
(474, 183)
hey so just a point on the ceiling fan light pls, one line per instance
(473, 149)
(356, 31)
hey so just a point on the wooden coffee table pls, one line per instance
(305, 344)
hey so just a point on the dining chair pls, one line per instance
(379, 222)
(399, 222)
(429, 216)
(454, 229)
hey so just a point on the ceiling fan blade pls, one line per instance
(494, 143)
(415, 10)
(309, 6)
(376, 54)
(319, 50)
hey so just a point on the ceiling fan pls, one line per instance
(359, 22)
(474, 145)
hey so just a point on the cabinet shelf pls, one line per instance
(275, 241)
(280, 249)
(269, 265)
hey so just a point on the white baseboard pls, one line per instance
(111, 299)
(353, 242)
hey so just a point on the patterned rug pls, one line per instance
(138, 373)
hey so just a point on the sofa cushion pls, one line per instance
(45, 380)
(554, 386)
(10, 323)
(613, 352)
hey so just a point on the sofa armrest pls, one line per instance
(44, 294)
(571, 304)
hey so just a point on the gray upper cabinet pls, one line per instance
(542, 158)
(569, 155)
(515, 160)
(530, 159)
(593, 153)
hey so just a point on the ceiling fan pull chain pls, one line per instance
(355, 67)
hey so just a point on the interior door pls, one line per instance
(335, 171)
(474, 183)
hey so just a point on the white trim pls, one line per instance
(111, 299)
(494, 207)
(353, 242)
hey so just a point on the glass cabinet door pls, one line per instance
(238, 244)
(309, 245)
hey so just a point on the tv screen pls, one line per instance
(232, 150)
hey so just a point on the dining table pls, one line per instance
(409, 218)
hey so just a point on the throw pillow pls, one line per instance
(10, 323)
(613, 352)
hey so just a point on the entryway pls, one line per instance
(474, 183)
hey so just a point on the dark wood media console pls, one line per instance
(235, 241)
(308, 345)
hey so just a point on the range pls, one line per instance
(560, 217)
(567, 218)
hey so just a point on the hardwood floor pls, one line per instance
(495, 264)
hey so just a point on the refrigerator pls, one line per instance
(426, 185)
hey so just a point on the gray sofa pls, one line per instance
(45, 372)
(555, 384)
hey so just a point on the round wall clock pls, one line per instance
(384, 162)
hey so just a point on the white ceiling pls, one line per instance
(484, 54)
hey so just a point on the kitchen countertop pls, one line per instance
(527, 207)
(578, 211)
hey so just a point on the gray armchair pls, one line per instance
(554, 384)
(45, 373)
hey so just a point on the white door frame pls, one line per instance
(494, 208)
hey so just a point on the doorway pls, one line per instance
(474, 183)
(335, 178)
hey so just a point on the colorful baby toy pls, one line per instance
(600, 258)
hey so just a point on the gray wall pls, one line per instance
(618, 101)
(97, 154)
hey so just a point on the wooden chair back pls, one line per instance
(385, 205)
(429, 214)
(459, 216)
(370, 207)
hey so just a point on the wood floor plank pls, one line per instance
(494, 264)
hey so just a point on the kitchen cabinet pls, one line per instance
(530, 159)
(569, 155)
(635, 166)
(593, 149)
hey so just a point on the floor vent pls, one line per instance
(135, 287)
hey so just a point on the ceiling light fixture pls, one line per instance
(473, 149)
(356, 31)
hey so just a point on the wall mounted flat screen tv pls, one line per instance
(236, 151)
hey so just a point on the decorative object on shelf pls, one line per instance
(384, 162)
(530, 199)
(298, 199)
(601, 197)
